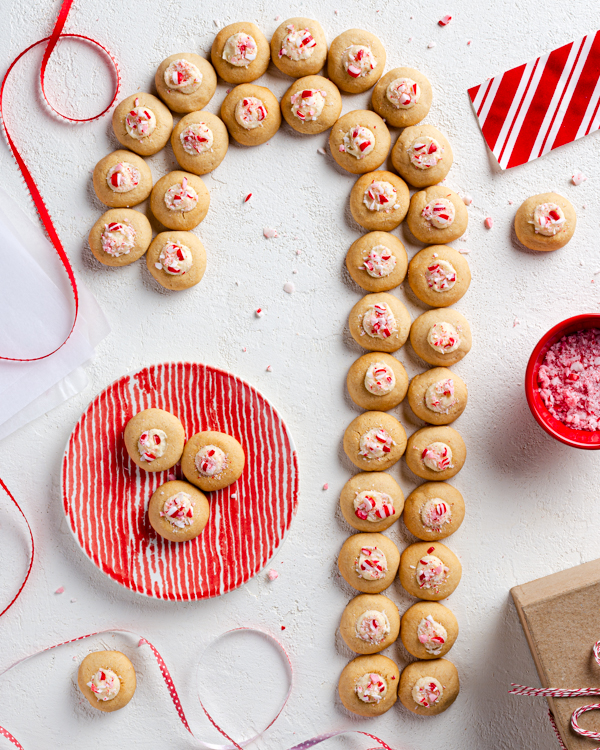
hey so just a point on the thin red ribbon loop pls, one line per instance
(38, 201)
(18, 507)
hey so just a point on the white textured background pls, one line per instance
(531, 502)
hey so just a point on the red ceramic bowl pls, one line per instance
(576, 438)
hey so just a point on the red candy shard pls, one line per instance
(444, 21)
(430, 550)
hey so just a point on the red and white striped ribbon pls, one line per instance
(541, 105)
(568, 693)
(31, 554)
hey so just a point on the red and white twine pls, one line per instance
(568, 693)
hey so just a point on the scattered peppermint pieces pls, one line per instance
(322, 151)
(141, 642)
(578, 177)
(463, 250)
(431, 45)
(269, 368)
(277, 18)
(273, 574)
(171, 477)
(216, 23)
(298, 252)
(466, 198)
(233, 496)
(247, 198)
(489, 222)
(244, 349)
(510, 202)
(326, 486)
(469, 43)
(289, 288)
(60, 590)
(410, 38)
(270, 233)
(444, 20)
(294, 271)
(73, 601)
(259, 313)
(283, 627)
(516, 322)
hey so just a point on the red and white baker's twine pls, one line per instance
(567, 693)
(38, 201)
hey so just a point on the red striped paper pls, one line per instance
(105, 495)
(534, 108)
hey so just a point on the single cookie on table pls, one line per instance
(436, 453)
(437, 396)
(180, 200)
(441, 337)
(374, 441)
(251, 113)
(120, 237)
(429, 570)
(177, 260)
(428, 630)
(379, 201)
(402, 97)
(433, 511)
(186, 82)
(299, 47)
(368, 685)
(122, 179)
(439, 275)
(178, 511)
(422, 155)
(200, 142)
(379, 322)
(377, 381)
(437, 215)
(154, 439)
(240, 53)
(428, 688)
(371, 501)
(545, 222)
(370, 623)
(107, 680)
(142, 123)
(377, 261)
(360, 141)
(212, 460)
(356, 60)
(369, 562)
(311, 105)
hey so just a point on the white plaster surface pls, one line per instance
(531, 502)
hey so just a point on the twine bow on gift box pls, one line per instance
(565, 693)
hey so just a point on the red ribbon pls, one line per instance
(16, 596)
(30, 182)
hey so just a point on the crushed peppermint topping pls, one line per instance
(379, 321)
(431, 572)
(380, 196)
(123, 177)
(118, 238)
(435, 513)
(444, 20)
(298, 44)
(250, 112)
(105, 684)
(373, 506)
(371, 564)
(181, 197)
(358, 60)
(439, 213)
(179, 510)
(151, 445)
(240, 50)
(183, 76)
(371, 687)
(443, 338)
(440, 275)
(358, 142)
(380, 262)
(437, 456)
(175, 259)
(439, 397)
(140, 122)
(372, 626)
(308, 104)
(432, 635)
(210, 461)
(578, 177)
(197, 138)
(403, 93)
(425, 152)
(427, 691)
(375, 443)
(569, 380)
(548, 219)
(489, 222)
(380, 379)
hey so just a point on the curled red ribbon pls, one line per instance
(38, 201)
(18, 507)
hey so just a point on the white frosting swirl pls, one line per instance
(437, 456)
(358, 60)
(152, 444)
(183, 76)
(250, 112)
(378, 321)
(371, 687)
(375, 443)
(380, 196)
(380, 379)
(240, 50)
(140, 122)
(380, 262)
(371, 564)
(179, 510)
(358, 142)
(439, 397)
(373, 506)
(308, 104)
(298, 44)
(403, 93)
(197, 138)
(210, 461)
(118, 238)
(440, 213)
(427, 691)
(431, 572)
(443, 338)
(548, 219)
(432, 635)
(181, 197)
(425, 152)
(440, 275)
(123, 177)
(373, 626)
(435, 513)
(105, 684)
(175, 259)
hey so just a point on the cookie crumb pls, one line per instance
(270, 233)
(269, 368)
(326, 486)
(289, 288)
(247, 198)
(578, 177)
(489, 222)
(444, 20)
(259, 313)
(431, 45)
(272, 574)
(60, 590)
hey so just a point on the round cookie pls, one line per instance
(377, 381)
(379, 322)
(545, 222)
(417, 680)
(251, 113)
(122, 179)
(372, 194)
(370, 623)
(178, 512)
(154, 439)
(436, 453)
(112, 676)
(374, 441)
(441, 337)
(429, 570)
(356, 60)
(183, 260)
(311, 105)
(433, 511)
(212, 460)
(437, 215)
(299, 47)
(120, 237)
(437, 396)
(240, 53)
(360, 141)
(439, 275)
(180, 200)
(369, 562)
(428, 630)
(377, 261)
(375, 678)
(371, 501)
(402, 97)
(200, 142)
(422, 155)
(186, 82)
(142, 123)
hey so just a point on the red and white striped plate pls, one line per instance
(105, 495)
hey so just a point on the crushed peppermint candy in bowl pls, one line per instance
(562, 382)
